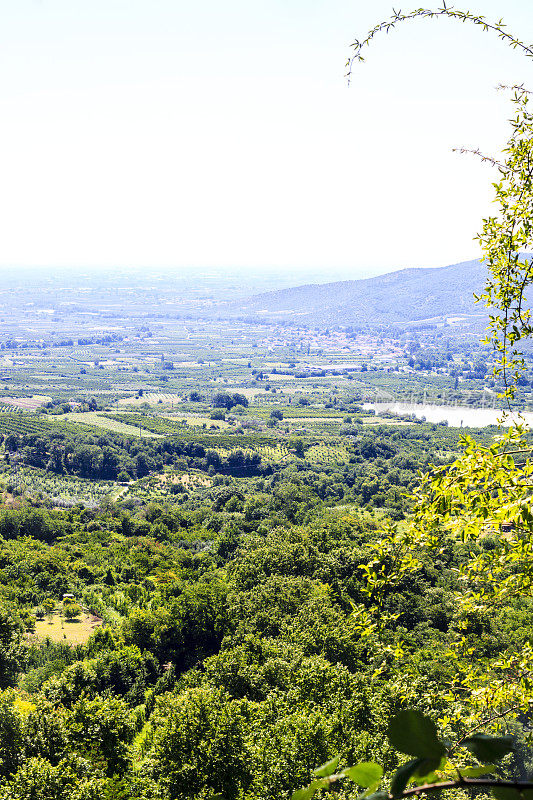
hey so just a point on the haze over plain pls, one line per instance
(208, 136)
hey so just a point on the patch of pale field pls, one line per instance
(191, 419)
(118, 492)
(99, 421)
(60, 630)
(152, 398)
(195, 480)
(302, 420)
(187, 479)
(26, 403)
(100, 391)
(299, 388)
(382, 421)
(248, 393)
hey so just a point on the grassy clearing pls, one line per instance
(59, 630)
(189, 479)
(163, 486)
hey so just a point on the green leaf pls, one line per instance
(417, 768)
(307, 792)
(412, 733)
(508, 793)
(489, 748)
(476, 772)
(427, 768)
(365, 774)
(328, 768)
(505, 793)
(371, 789)
(401, 777)
(302, 794)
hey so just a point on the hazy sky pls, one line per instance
(222, 133)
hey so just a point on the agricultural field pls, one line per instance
(152, 352)
(151, 425)
(25, 403)
(61, 490)
(36, 424)
(22, 424)
(327, 454)
(276, 454)
(198, 420)
(151, 399)
(106, 422)
(303, 412)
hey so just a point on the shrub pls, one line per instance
(72, 610)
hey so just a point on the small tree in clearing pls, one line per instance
(49, 606)
(71, 611)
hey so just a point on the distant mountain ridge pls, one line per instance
(397, 298)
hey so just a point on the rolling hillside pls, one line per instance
(402, 297)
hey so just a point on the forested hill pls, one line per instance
(396, 298)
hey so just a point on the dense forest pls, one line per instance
(242, 643)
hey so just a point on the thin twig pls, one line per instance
(477, 152)
(482, 724)
(445, 11)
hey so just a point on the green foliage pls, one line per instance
(229, 400)
(200, 743)
(415, 734)
(72, 610)
(504, 237)
(412, 733)
(488, 748)
(102, 730)
(38, 778)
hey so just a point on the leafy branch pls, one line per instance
(446, 11)
(430, 770)
(503, 239)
